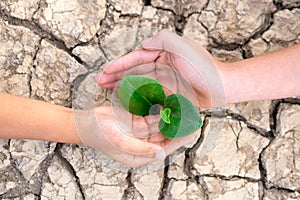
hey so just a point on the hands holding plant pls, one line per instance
(213, 83)
(136, 139)
(181, 67)
(177, 63)
(185, 57)
(98, 129)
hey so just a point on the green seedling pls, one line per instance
(179, 117)
(138, 94)
(165, 115)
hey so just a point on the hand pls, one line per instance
(102, 130)
(190, 60)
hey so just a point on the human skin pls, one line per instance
(31, 119)
(270, 76)
(23, 118)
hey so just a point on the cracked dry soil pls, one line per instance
(51, 49)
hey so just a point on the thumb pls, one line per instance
(169, 41)
(116, 137)
(164, 40)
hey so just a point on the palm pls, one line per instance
(167, 69)
(175, 72)
(185, 77)
(128, 145)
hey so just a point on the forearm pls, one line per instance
(270, 76)
(22, 118)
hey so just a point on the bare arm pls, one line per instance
(22, 118)
(270, 76)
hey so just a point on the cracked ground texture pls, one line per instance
(51, 49)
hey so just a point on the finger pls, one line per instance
(153, 127)
(183, 48)
(130, 60)
(142, 69)
(166, 76)
(139, 127)
(193, 62)
(166, 40)
(158, 139)
(109, 85)
(135, 146)
(173, 43)
(145, 131)
(153, 117)
(147, 150)
(145, 127)
(132, 161)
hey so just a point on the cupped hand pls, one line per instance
(189, 59)
(133, 146)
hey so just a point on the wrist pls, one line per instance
(88, 130)
(65, 130)
(225, 72)
(233, 79)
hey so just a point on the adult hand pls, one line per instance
(197, 67)
(99, 128)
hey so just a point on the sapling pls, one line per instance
(179, 117)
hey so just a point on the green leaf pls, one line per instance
(184, 118)
(139, 93)
(165, 115)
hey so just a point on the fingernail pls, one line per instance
(98, 77)
(160, 154)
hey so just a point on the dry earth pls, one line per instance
(49, 51)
